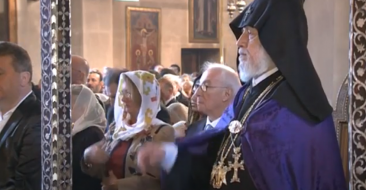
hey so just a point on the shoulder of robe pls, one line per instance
(286, 97)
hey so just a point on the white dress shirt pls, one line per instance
(263, 76)
(5, 117)
(212, 123)
(171, 150)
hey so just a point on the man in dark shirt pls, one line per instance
(20, 122)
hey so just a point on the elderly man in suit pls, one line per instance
(176, 89)
(217, 89)
(20, 121)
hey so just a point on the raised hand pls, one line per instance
(110, 182)
(151, 154)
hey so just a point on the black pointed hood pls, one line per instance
(283, 32)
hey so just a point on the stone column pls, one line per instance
(357, 92)
(56, 121)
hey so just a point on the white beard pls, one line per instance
(252, 68)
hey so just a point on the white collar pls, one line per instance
(15, 107)
(212, 123)
(259, 79)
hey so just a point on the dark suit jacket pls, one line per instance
(80, 142)
(196, 127)
(182, 99)
(36, 91)
(20, 143)
(163, 114)
(109, 114)
(171, 102)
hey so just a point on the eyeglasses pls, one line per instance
(126, 94)
(205, 87)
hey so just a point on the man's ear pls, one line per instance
(25, 78)
(84, 76)
(226, 94)
(171, 90)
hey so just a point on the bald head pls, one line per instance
(174, 79)
(167, 88)
(80, 70)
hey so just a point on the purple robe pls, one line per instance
(281, 150)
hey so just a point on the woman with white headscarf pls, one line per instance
(136, 106)
(88, 123)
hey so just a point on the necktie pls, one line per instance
(208, 127)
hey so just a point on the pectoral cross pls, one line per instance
(247, 13)
(218, 175)
(236, 165)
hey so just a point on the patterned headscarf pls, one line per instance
(149, 90)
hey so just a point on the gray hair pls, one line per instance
(229, 74)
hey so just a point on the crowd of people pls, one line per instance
(266, 126)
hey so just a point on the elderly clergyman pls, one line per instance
(279, 133)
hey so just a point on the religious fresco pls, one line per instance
(204, 21)
(143, 37)
(8, 20)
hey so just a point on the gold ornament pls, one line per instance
(236, 165)
(218, 175)
(235, 127)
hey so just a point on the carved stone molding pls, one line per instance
(357, 92)
(56, 119)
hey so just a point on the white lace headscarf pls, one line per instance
(149, 90)
(86, 110)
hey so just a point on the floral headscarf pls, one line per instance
(148, 88)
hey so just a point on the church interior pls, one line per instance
(137, 35)
(100, 36)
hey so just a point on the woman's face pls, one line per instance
(186, 79)
(130, 106)
(187, 87)
(194, 102)
(194, 97)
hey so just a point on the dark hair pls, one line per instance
(177, 67)
(96, 71)
(167, 71)
(20, 58)
(197, 79)
(157, 75)
(112, 76)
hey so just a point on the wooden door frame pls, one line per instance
(12, 20)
